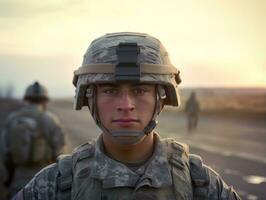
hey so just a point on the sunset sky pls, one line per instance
(215, 43)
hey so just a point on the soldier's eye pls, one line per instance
(139, 91)
(110, 91)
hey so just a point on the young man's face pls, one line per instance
(125, 106)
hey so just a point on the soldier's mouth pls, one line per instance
(125, 120)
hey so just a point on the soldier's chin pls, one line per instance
(129, 140)
(126, 141)
(123, 138)
(126, 138)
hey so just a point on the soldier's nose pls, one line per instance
(126, 103)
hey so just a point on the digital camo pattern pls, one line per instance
(43, 185)
(103, 49)
(219, 189)
(156, 174)
(22, 176)
(104, 178)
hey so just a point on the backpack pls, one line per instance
(25, 141)
(198, 173)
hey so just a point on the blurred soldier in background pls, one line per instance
(126, 79)
(192, 109)
(31, 139)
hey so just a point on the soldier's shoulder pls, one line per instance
(58, 175)
(217, 184)
(43, 184)
(50, 115)
(12, 117)
(207, 182)
(47, 171)
(51, 118)
(26, 110)
(14, 114)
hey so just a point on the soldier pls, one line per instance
(126, 79)
(192, 109)
(31, 139)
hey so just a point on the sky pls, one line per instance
(214, 43)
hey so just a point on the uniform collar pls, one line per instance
(115, 174)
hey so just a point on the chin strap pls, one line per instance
(136, 136)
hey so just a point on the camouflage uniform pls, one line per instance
(51, 129)
(89, 173)
(171, 173)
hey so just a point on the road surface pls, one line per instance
(234, 148)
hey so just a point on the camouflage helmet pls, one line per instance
(126, 56)
(36, 92)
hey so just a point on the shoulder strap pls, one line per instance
(177, 154)
(66, 165)
(83, 151)
(64, 181)
(199, 177)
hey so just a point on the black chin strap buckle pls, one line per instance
(150, 127)
(127, 68)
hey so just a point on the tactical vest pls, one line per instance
(190, 179)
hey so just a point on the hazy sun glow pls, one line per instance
(214, 43)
